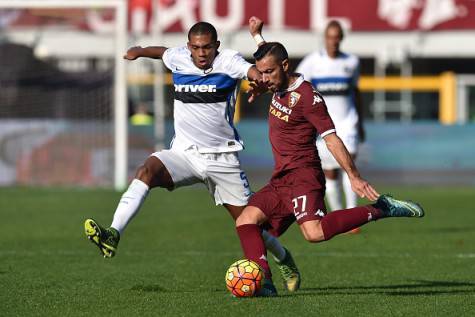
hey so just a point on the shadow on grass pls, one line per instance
(159, 289)
(418, 287)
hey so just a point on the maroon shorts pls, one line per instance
(297, 195)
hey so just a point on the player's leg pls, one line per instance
(249, 232)
(230, 187)
(336, 222)
(272, 243)
(282, 256)
(151, 174)
(351, 141)
(330, 167)
(333, 189)
(342, 221)
(287, 267)
(350, 196)
(167, 169)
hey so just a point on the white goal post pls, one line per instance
(120, 115)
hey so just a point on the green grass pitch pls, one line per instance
(172, 259)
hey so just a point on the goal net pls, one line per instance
(63, 109)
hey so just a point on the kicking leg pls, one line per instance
(337, 222)
(151, 174)
(341, 221)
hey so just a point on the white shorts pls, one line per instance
(328, 161)
(220, 172)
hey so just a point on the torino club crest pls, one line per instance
(293, 98)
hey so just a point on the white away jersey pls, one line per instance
(336, 79)
(205, 100)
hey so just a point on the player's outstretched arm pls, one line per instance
(339, 151)
(255, 28)
(149, 51)
(256, 87)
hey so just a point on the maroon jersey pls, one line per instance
(295, 117)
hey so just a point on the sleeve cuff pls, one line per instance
(166, 59)
(324, 134)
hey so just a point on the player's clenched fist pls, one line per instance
(255, 25)
(133, 53)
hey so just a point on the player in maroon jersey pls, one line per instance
(297, 187)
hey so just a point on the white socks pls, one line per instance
(273, 246)
(129, 204)
(333, 194)
(350, 196)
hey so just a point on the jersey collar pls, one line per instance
(292, 87)
(323, 53)
(204, 71)
(296, 83)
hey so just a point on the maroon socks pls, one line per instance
(253, 246)
(341, 221)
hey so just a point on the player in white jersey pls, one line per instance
(205, 146)
(335, 75)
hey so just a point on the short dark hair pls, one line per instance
(203, 28)
(335, 24)
(271, 48)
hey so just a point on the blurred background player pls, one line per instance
(141, 116)
(206, 144)
(297, 187)
(335, 75)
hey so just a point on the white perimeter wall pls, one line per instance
(383, 45)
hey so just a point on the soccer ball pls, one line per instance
(244, 278)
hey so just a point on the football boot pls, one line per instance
(267, 289)
(391, 207)
(106, 239)
(289, 272)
